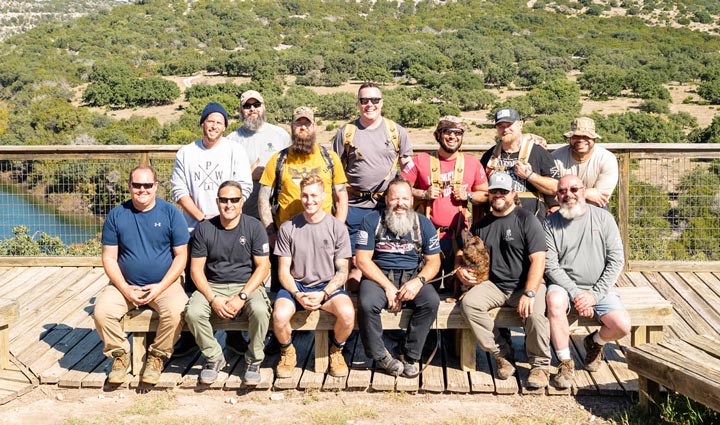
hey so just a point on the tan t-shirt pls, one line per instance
(598, 172)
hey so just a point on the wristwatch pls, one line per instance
(422, 279)
(529, 293)
(470, 196)
(243, 296)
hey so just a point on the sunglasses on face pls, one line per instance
(224, 200)
(248, 105)
(455, 131)
(573, 189)
(499, 191)
(146, 186)
(374, 100)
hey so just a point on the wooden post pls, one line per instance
(624, 202)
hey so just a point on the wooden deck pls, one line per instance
(54, 342)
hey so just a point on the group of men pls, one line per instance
(264, 209)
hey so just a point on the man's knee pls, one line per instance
(557, 304)
(283, 311)
(346, 313)
(617, 321)
(195, 311)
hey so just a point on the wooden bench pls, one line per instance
(8, 315)
(689, 366)
(649, 313)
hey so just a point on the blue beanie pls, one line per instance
(211, 108)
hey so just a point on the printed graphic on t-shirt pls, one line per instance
(208, 176)
(298, 174)
(446, 180)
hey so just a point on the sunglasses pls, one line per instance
(257, 105)
(224, 200)
(146, 186)
(499, 191)
(573, 189)
(374, 100)
(454, 131)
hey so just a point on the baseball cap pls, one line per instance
(582, 126)
(506, 115)
(304, 112)
(250, 94)
(500, 180)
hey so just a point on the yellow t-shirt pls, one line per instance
(297, 166)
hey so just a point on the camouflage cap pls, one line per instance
(582, 126)
(451, 121)
(304, 112)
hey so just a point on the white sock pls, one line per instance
(599, 340)
(563, 354)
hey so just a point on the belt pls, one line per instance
(359, 194)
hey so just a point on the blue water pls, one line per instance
(16, 210)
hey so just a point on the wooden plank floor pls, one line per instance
(54, 343)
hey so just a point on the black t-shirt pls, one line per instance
(510, 240)
(541, 162)
(230, 252)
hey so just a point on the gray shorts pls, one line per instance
(609, 303)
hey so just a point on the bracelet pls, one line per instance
(213, 298)
(295, 294)
(530, 175)
(424, 195)
(326, 294)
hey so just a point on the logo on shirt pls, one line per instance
(158, 224)
(362, 238)
(508, 237)
(434, 242)
(242, 240)
(266, 248)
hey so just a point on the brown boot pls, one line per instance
(564, 377)
(338, 367)
(288, 360)
(120, 367)
(593, 353)
(505, 369)
(153, 367)
(538, 378)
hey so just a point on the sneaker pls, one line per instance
(593, 353)
(185, 346)
(153, 367)
(505, 369)
(538, 378)
(338, 367)
(252, 374)
(411, 368)
(120, 367)
(209, 374)
(392, 366)
(235, 341)
(288, 360)
(564, 377)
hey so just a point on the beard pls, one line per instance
(572, 212)
(253, 124)
(400, 224)
(303, 143)
(448, 149)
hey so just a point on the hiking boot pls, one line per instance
(411, 368)
(593, 353)
(153, 367)
(392, 366)
(235, 341)
(564, 377)
(252, 374)
(120, 367)
(209, 373)
(338, 367)
(505, 369)
(288, 360)
(538, 378)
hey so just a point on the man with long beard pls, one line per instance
(584, 260)
(260, 140)
(444, 183)
(515, 241)
(397, 251)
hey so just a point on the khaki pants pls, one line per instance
(257, 309)
(111, 306)
(483, 297)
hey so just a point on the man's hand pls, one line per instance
(523, 171)
(460, 194)
(221, 308)
(467, 278)
(394, 304)
(584, 303)
(235, 304)
(409, 290)
(310, 300)
(147, 293)
(525, 306)
(432, 192)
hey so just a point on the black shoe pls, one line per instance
(235, 341)
(185, 346)
(272, 346)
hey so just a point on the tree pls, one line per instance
(602, 80)
(710, 91)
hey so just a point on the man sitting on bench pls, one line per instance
(584, 259)
(313, 250)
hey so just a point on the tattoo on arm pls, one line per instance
(340, 188)
(341, 274)
(264, 206)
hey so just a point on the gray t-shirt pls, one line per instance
(313, 248)
(259, 146)
(600, 171)
(370, 160)
(584, 253)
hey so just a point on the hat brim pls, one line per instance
(586, 133)
(507, 119)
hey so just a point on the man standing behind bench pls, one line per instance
(229, 263)
(313, 250)
(144, 252)
(584, 259)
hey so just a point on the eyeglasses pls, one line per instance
(146, 186)
(499, 191)
(224, 200)
(573, 189)
(365, 100)
(455, 131)
(257, 105)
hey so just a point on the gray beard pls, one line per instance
(400, 224)
(254, 124)
(302, 144)
(570, 213)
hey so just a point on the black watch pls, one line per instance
(422, 279)
(529, 293)
(243, 296)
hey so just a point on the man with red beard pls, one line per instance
(584, 260)
(444, 183)
(397, 252)
(515, 241)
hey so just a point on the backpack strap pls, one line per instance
(392, 135)
(279, 164)
(331, 167)
(415, 233)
